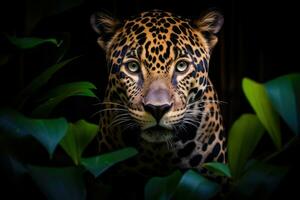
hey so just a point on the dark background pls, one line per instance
(259, 40)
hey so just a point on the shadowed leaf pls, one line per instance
(48, 132)
(31, 42)
(60, 93)
(98, 164)
(162, 188)
(219, 169)
(259, 181)
(190, 185)
(284, 93)
(260, 102)
(244, 135)
(193, 186)
(40, 81)
(78, 136)
(59, 183)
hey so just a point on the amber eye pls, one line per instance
(181, 66)
(133, 66)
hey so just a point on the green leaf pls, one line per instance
(59, 183)
(41, 80)
(284, 93)
(162, 188)
(194, 186)
(60, 93)
(13, 123)
(243, 137)
(31, 42)
(74, 87)
(48, 132)
(78, 136)
(260, 102)
(191, 185)
(98, 164)
(260, 181)
(219, 169)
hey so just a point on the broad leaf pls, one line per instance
(260, 102)
(219, 169)
(60, 93)
(162, 188)
(74, 87)
(78, 136)
(41, 80)
(260, 181)
(98, 164)
(59, 183)
(31, 42)
(193, 186)
(48, 132)
(190, 185)
(284, 93)
(244, 135)
(13, 123)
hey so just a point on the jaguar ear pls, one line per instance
(209, 25)
(105, 25)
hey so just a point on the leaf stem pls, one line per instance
(292, 142)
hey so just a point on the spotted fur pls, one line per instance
(159, 97)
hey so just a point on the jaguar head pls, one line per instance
(158, 68)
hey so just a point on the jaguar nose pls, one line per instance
(157, 111)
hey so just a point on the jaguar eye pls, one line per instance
(181, 66)
(133, 66)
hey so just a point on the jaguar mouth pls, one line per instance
(157, 134)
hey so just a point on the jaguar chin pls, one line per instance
(157, 134)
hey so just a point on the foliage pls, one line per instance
(47, 131)
(60, 93)
(242, 143)
(162, 188)
(282, 88)
(55, 182)
(39, 82)
(28, 43)
(259, 181)
(257, 96)
(190, 185)
(77, 137)
(217, 168)
(98, 164)
(59, 183)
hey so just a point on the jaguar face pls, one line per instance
(158, 68)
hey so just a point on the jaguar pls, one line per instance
(159, 97)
